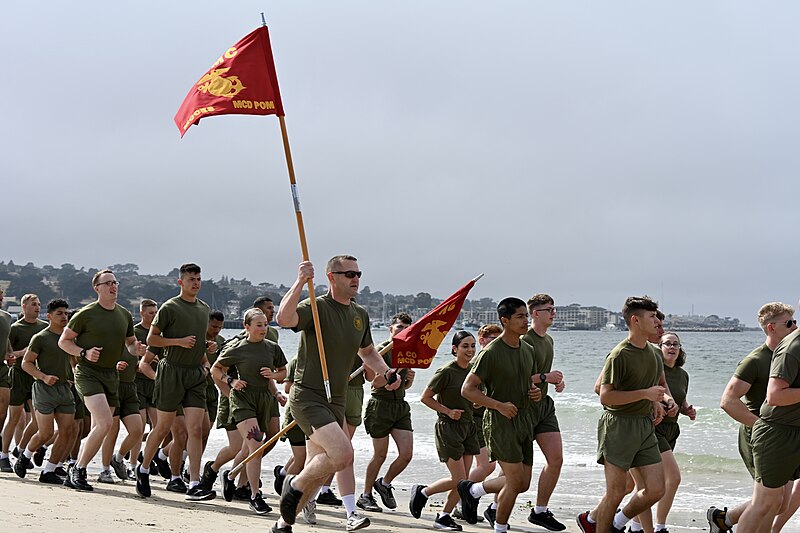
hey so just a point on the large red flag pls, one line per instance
(241, 81)
(415, 346)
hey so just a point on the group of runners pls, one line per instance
(74, 379)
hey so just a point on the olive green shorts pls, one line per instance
(547, 421)
(455, 439)
(49, 399)
(295, 436)
(667, 434)
(354, 405)
(224, 414)
(478, 422)
(21, 386)
(128, 400)
(90, 381)
(746, 449)
(212, 402)
(510, 441)
(776, 453)
(627, 441)
(311, 409)
(382, 416)
(179, 386)
(5, 376)
(251, 403)
(80, 407)
(144, 390)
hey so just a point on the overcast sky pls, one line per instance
(591, 150)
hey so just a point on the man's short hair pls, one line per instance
(405, 318)
(261, 300)
(147, 302)
(100, 273)
(250, 314)
(335, 262)
(188, 268)
(216, 315)
(660, 315)
(539, 299)
(635, 305)
(27, 298)
(489, 329)
(57, 303)
(508, 306)
(771, 311)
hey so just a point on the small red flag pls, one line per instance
(242, 81)
(415, 346)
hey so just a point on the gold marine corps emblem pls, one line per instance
(216, 84)
(357, 323)
(432, 335)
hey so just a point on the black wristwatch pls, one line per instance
(543, 377)
(83, 352)
(230, 381)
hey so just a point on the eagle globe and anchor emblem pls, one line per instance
(214, 82)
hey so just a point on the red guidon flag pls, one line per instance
(241, 81)
(415, 346)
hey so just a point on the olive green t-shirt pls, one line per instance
(629, 368)
(272, 335)
(400, 392)
(5, 328)
(345, 330)
(141, 335)
(212, 357)
(358, 381)
(754, 369)
(20, 334)
(178, 318)
(506, 371)
(543, 347)
(51, 359)
(250, 357)
(99, 327)
(446, 383)
(678, 381)
(786, 366)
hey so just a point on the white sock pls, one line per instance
(590, 519)
(728, 521)
(27, 453)
(424, 492)
(143, 470)
(118, 457)
(162, 456)
(50, 467)
(107, 468)
(539, 509)
(477, 491)
(282, 471)
(493, 505)
(281, 524)
(349, 502)
(387, 485)
(193, 484)
(443, 514)
(324, 488)
(636, 526)
(3, 455)
(173, 478)
(661, 526)
(500, 528)
(620, 520)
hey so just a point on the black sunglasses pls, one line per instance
(350, 274)
(788, 323)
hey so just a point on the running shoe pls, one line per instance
(290, 499)
(38, 456)
(716, 520)
(546, 520)
(60, 472)
(385, 492)
(22, 465)
(119, 468)
(490, 515)
(258, 505)
(469, 503)
(51, 478)
(142, 482)
(105, 477)
(664, 530)
(176, 485)
(584, 524)
(328, 498)
(367, 503)
(15, 452)
(199, 494)
(355, 521)
(228, 487)
(285, 529)
(163, 466)
(209, 476)
(417, 501)
(616, 529)
(5, 465)
(446, 523)
(309, 512)
(77, 478)
(242, 493)
(278, 485)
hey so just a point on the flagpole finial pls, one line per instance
(479, 277)
(263, 19)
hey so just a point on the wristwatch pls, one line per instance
(83, 352)
(543, 377)
(230, 380)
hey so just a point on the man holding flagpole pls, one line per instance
(346, 330)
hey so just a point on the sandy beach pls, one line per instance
(118, 508)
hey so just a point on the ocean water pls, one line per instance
(712, 471)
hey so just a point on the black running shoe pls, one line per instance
(385, 493)
(328, 498)
(120, 469)
(490, 515)
(469, 503)
(15, 452)
(417, 501)
(51, 478)
(278, 486)
(242, 493)
(258, 505)
(228, 487)
(546, 520)
(290, 499)
(77, 478)
(198, 493)
(209, 476)
(176, 485)
(5, 465)
(276, 529)
(60, 472)
(446, 523)
(38, 456)
(142, 482)
(163, 466)
(21, 466)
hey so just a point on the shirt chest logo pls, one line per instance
(358, 323)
